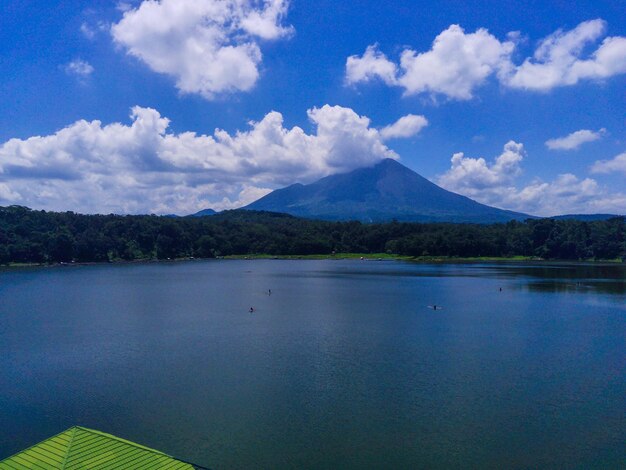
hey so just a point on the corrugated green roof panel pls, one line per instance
(80, 448)
(47, 454)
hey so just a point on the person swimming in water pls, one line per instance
(251, 309)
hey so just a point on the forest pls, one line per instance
(32, 236)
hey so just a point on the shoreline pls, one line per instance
(330, 257)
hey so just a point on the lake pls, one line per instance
(342, 366)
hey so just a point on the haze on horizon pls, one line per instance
(174, 106)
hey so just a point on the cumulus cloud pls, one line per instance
(406, 126)
(559, 59)
(208, 46)
(456, 64)
(459, 62)
(495, 184)
(142, 167)
(575, 139)
(371, 65)
(79, 68)
(616, 165)
(473, 176)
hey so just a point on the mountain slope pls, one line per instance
(386, 191)
(584, 217)
(203, 213)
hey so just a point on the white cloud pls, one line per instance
(460, 62)
(249, 194)
(372, 64)
(123, 6)
(559, 61)
(406, 126)
(87, 31)
(79, 68)
(575, 139)
(473, 176)
(208, 46)
(142, 168)
(616, 165)
(90, 31)
(568, 194)
(7, 194)
(456, 64)
(344, 141)
(495, 184)
(265, 22)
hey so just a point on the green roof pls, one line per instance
(80, 448)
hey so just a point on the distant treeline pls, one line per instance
(30, 236)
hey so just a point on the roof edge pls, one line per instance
(36, 444)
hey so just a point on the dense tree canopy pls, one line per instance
(29, 236)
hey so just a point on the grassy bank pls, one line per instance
(369, 256)
(337, 256)
(424, 259)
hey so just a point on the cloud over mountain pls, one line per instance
(141, 167)
(208, 46)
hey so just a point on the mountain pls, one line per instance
(203, 212)
(585, 217)
(386, 191)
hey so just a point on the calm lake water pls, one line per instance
(343, 366)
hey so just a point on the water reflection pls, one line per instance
(616, 288)
(575, 271)
(575, 278)
(569, 278)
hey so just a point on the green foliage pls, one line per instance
(28, 236)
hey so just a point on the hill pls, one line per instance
(203, 213)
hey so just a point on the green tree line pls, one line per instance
(31, 236)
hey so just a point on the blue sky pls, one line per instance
(113, 106)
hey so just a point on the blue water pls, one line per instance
(343, 366)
